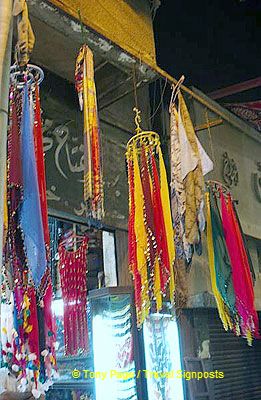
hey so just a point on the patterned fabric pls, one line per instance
(25, 253)
(189, 162)
(250, 112)
(193, 180)
(178, 196)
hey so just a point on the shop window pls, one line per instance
(163, 370)
(101, 271)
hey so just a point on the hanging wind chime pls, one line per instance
(151, 245)
(27, 282)
(85, 86)
(230, 264)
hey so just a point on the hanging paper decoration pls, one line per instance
(229, 264)
(85, 86)
(151, 243)
(189, 164)
(26, 273)
(73, 273)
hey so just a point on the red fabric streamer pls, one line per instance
(148, 208)
(160, 228)
(73, 270)
(38, 143)
(241, 275)
(14, 148)
(132, 253)
(33, 336)
(96, 163)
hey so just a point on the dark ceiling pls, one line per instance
(214, 43)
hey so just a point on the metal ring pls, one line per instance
(33, 72)
(144, 134)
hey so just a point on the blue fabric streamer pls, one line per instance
(31, 218)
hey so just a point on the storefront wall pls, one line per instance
(236, 156)
(206, 342)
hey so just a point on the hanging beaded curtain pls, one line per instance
(151, 237)
(25, 264)
(73, 273)
(230, 266)
(85, 86)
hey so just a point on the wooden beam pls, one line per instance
(211, 124)
(237, 88)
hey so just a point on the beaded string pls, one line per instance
(73, 273)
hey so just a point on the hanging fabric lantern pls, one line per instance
(151, 237)
(85, 86)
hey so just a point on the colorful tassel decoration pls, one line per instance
(26, 248)
(229, 265)
(151, 236)
(85, 86)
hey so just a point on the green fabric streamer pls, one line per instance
(222, 260)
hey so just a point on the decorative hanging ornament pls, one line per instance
(151, 237)
(230, 264)
(85, 86)
(73, 273)
(27, 237)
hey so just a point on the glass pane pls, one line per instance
(113, 347)
(162, 355)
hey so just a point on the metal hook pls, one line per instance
(137, 120)
(175, 90)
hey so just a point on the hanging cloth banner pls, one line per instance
(85, 86)
(230, 270)
(222, 260)
(242, 280)
(39, 154)
(193, 168)
(189, 163)
(45, 291)
(26, 275)
(151, 236)
(221, 306)
(31, 216)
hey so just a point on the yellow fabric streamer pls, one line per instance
(85, 85)
(26, 308)
(86, 115)
(224, 316)
(157, 291)
(141, 236)
(164, 191)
